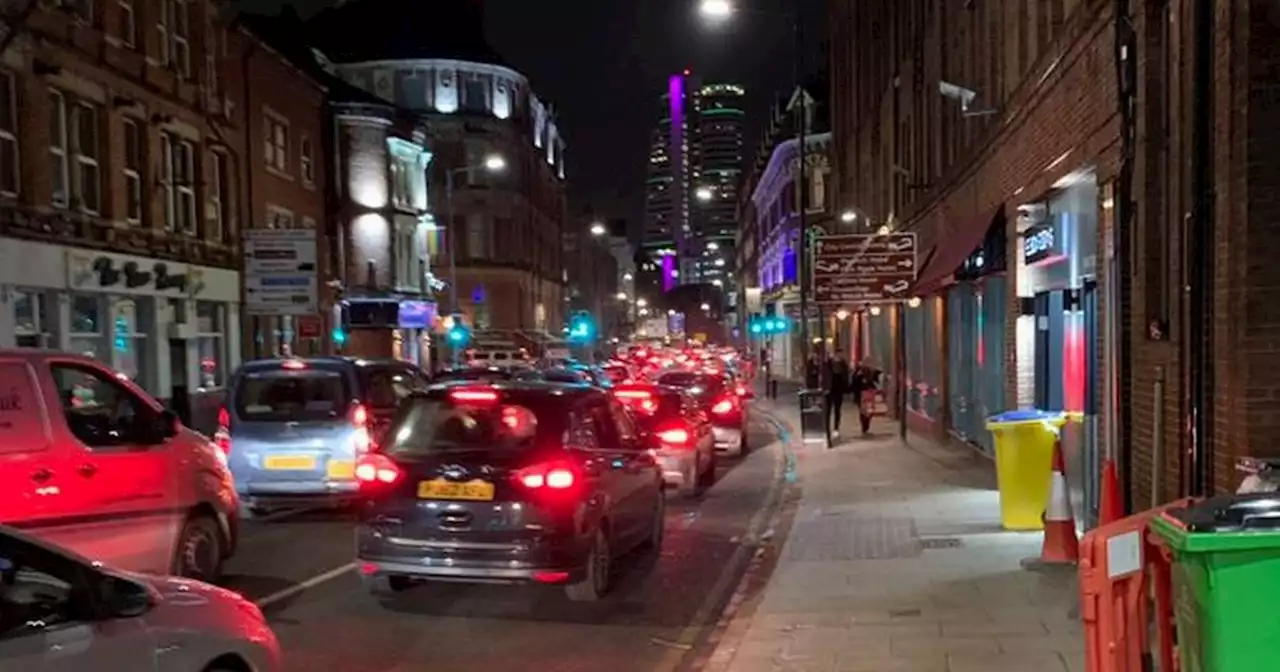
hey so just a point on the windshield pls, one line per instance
(305, 395)
(437, 424)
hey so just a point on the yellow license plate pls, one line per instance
(475, 491)
(342, 469)
(290, 462)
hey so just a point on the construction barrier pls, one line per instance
(1126, 596)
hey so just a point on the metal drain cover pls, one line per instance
(938, 543)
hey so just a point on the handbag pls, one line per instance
(872, 403)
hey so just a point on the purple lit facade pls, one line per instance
(669, 275)
(680, 163)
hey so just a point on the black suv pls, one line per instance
(507, 482)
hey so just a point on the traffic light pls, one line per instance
(456, 332)
(582, 329)
(338, 336)
(767, 325)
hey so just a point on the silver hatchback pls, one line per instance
(294, 428)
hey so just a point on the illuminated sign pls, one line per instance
(1039, 243)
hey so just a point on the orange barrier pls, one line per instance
(1125, 589)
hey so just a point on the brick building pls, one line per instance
(992, 131)
(995, 131)
(119, 191)
(502, 241)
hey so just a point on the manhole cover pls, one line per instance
(937, 543)
(845, 538)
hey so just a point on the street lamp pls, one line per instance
(627, 277)
(641, 303)
(597, 229)
(720, 11)
(492, 164)
(622, 296)
(716, 9)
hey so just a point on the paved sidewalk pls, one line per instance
(895, 562)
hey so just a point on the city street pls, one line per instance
(298, 567)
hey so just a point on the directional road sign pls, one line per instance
(863, 268)
(280, 272)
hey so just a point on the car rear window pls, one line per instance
(280, 394)
(435, 424)
(566, 376)
(617, 373)
(663, 405)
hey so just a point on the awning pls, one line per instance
(946, 256)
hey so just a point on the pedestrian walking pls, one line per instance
(837, 385)
(865, 386)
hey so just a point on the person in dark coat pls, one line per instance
(837, 385)
(864, 383)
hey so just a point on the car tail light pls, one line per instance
(549, 476)
(474, 395)
(740, 390)
(293, 364)
(222, 437)
(377, 468)
(362, 429)
(676, 436)
(724, 407)
(640, 400)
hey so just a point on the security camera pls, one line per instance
(963, 96)
(956, 92)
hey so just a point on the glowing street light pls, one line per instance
(671, 312)
(848, 216)
(713, 246)
(705, 306)
(704, 194)
(627, 277)
(716, 9)
(622, 296)
(641, 303)
(718, 283)
(597, 229)
(842, 314)
(494, 163)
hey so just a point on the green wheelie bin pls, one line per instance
(1226, 582)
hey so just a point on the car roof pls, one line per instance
(37, 355)
(358, 362)
(572, 391)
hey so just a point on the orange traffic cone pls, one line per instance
(1109, 508)
(1061, 547)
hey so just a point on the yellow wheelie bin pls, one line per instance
(1024, 459)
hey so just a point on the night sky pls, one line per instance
(604, 63)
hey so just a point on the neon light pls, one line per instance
(668, 272)
(1073, 373)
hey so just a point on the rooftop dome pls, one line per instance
(393, 30)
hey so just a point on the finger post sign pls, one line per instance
(863, 268)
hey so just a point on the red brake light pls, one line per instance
(553, 477)
(293, 364)
(740, 391)
(723, 406)
(474, 396)
(676, 436)
(222, 437)
(632, 394)
(372, 469)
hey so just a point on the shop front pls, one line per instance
(171, 327)
(1057, 331)
(976, 308)
(388, 326)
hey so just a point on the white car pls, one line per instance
(61, 613)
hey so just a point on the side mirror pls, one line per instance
(166, 425)
(122, 598)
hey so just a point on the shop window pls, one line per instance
(30, 320)
(86, 328)
(211, 343)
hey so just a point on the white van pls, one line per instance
(90, 462)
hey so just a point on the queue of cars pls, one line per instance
(115, 518)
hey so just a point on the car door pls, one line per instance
(28, 454)
(612, 465)
(625, 463)
(644, 478)
(119, 484)
(49, 619)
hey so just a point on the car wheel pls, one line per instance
(658, 525)
(708, 478)
(386, 585)
(595, 584)
(199, 552)
(257, 512)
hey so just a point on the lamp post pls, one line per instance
(722, 10)
(492, 164)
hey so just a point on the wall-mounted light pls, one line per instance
(913, 302)
(875, 311)
(842, 314)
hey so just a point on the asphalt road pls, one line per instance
(298, 566)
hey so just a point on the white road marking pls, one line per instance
(335, 573)
(727, 580)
